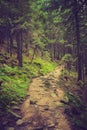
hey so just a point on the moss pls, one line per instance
(14, 81)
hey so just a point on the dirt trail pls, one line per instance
(42, 110)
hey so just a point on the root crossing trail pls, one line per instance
(42, 109)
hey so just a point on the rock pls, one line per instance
(36, 106)
(33, 102)
(11, 128)
(34, 123)
(51, 125)
(53, 86)
(38, 128)
(58, 129)
(59, 104)
(46, 108)
(53, 95)
(19, 122)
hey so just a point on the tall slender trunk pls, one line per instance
(10, 41)
(54, 51)
(78, 39)
(33, 54)
(19, 48)
(85, 62)
(10, 44)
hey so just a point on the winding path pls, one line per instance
(42, 109)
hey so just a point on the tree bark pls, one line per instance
(19, 48)
(10, 44)
(77, 26)
(33, 54)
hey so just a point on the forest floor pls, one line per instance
(42, 109)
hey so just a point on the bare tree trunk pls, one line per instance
(78, 39)
(10, 44)
(85, 62)
(19, 47)
(33, 54)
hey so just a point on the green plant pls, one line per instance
(14, 84)
(14, 81)
(44, 65)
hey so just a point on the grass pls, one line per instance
(14, 81)
(14, 84)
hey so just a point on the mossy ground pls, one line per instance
(14, 81)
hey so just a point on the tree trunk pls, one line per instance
(10, 42)
(54, 51)
(19, 48)
(86, 62)
(33, 54)
(78, 39)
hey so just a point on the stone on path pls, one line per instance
(43, 106)
(11, 128)
(19, 122)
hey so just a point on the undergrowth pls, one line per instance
(75, 107)
(14, 81)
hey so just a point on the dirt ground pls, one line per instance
(42, 109)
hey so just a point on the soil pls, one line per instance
(43, 109)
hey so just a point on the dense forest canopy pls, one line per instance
(55, 26)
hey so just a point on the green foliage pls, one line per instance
(46, 56)
(14, 81)
(74, 100)
(38, 67)
(67, 58)
(65, 72)
(45, 66)
(14, 84)
(81, 83)
(68, 61)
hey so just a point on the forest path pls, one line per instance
(42, 110)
